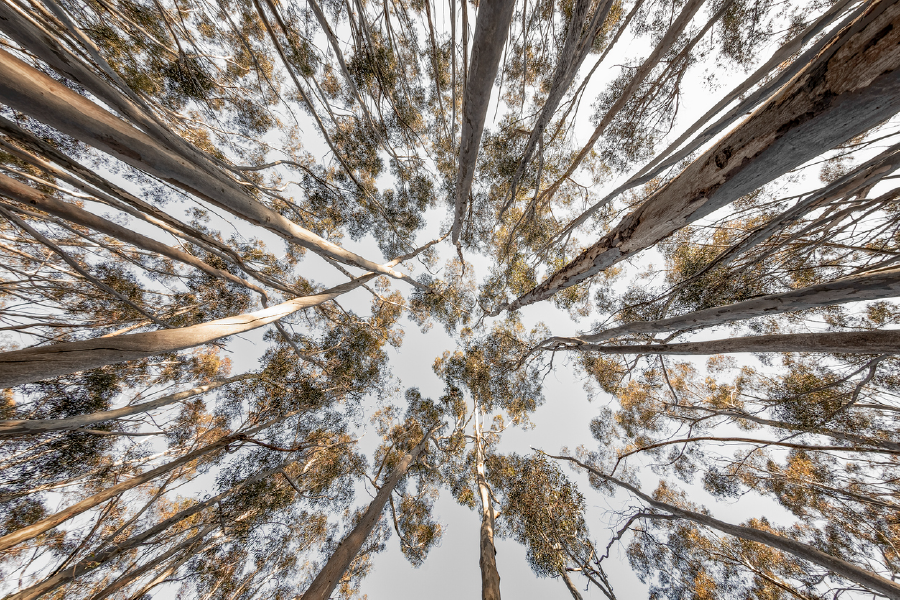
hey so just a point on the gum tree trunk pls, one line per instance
(324, 583)
(851, 86)
(491, 30)
(838, 566)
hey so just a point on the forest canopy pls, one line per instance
(281, 279)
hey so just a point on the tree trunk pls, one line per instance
(19, 192)
(34, 364)
(22, 427)
(672, 155)
(133, 574)
(490, 577)
(570, 585)
(574, 51)
(687, 13)
(40, 153)
(876, 285)
(324, 583)
(803, 551)
(104, 555)
(491, 31)
(845, 342)
(26, 533)
(28, 90)
(851, 86)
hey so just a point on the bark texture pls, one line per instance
(851, 86)
(324, 583)
(491, 30)
(870, 286)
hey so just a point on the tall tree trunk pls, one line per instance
(22, 427)
(487, 551)
(851, 86)
(570, 585)
(24, 194)
(102, 556)
(28, 90)
(330, 574)
(838, 566)
(674, 31)
(46, 524)
(43, 155)
(34, 364)
(574, 51)
(672, 154)
(876, 285)
(491, 31)
(129, 576)
(845, 342)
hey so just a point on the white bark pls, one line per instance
(22, 427)
(34, 364)
(876, 285)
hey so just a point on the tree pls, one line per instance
(177, 174)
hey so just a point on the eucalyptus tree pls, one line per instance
(177, 173)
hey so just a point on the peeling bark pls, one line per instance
(876, 285)
(853, 85)
(846, 342)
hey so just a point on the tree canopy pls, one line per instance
(222, 222)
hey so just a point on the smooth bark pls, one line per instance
(570, 585)
(24, 194)
(487, 551)
(22, 427)
(851, 86)
(25, 89)
(687, 13)
(491, 31)
(328, 577)
(672, 154)
(575, 49)
(836, 565)
(46, 524)
(845, 342)
(876, 285)
(34, 364)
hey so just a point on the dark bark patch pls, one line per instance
(723, 156)
(878, 36)
(119, 148)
